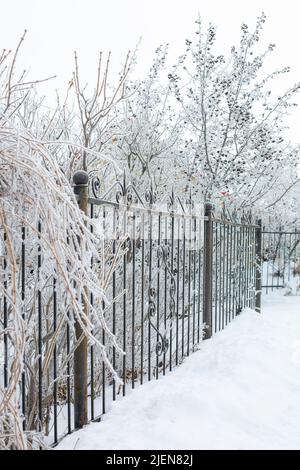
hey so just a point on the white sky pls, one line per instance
(57, 27)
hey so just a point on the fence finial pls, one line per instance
(80, 178)
(209, 207)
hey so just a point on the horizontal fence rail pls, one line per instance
(175, 274)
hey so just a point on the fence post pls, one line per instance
(208, 268)
(258, 265)
(80, 180)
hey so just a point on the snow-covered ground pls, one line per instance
(240, 391)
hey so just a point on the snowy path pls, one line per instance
(240, 391)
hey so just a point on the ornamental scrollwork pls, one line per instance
(162, 345)
(122, 191)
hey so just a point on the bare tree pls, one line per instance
(95, 111)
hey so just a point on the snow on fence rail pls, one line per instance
(183, 274)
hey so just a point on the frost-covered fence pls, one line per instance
(171, 273)
(187, 272)
(232, 271)
(236, 267)
(46, 247)
(281, 259)
(155, 296)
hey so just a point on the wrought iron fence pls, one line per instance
(281, 259)
(157, 312)
(235, 268)
(185, 272)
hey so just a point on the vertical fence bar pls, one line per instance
(55, 361)
(183, 290)
(103, 333)
(124, 327)
(92, 388)
(80, 180)
(268, 259)
(150, 292)
(230, 275)
(158, 291)
(177, 292)
(240, 254)
(172, 311)
(264, 258)
(133, 301)
(199, 323)
(68, 340)
(5, 317)
(246, 266)
(194, 281)
(274, 258)
(278, 251)
(258, 260)
(208, 266)
(284, 259)
(23, 317)
(243, 266)
(165, 291)
(227, 276)
(189, 289)
(221, 255)
(290, 246)
(216, 296)
(253, 266)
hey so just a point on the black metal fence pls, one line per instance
(236, 264)
(281, 259)
(185, 273)
(157, 314)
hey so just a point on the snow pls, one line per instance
(241, 390)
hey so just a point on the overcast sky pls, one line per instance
(57, 27)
